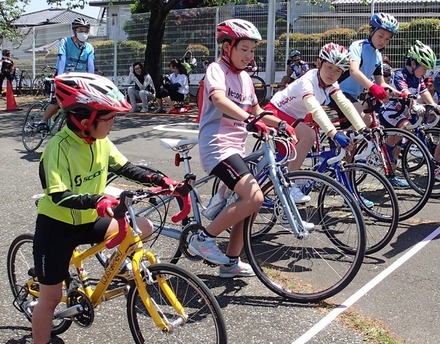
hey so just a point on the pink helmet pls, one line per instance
(233, 29)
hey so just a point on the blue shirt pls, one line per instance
(370, 63)
(75, 58)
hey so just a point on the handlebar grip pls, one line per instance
(119, 214)
(251, 125)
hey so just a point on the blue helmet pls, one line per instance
(385, 21)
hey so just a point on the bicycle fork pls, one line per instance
(154, 310)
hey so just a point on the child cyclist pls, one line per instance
(229, 101)
(73, 173)
(307, 95)
(409, 80)
(366, 72)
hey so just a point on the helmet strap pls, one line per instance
(85, 129)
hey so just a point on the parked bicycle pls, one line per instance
(31, 136)
(41, 84)
(165, 303)
(278, 244)
(22, 82)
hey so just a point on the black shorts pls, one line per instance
(343, 121)
(55, 241)
(231, 170)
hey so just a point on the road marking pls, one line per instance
(318, 327)
(179, 127)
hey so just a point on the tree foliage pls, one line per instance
(10, 10)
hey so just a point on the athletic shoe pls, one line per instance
(309, 226)
(437, 174)
(367, 202)
(42, 127)
(297, 195)
(133, 109)
(159, 111)
(208, 250)
(144, 109)
(398, 183)
(174, 111)
(240, 269)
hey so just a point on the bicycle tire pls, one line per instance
(260, 88)
(322, 270)
(58, 123)
(205, 323)
(30, 137)
(379, 205)
(431, 139)
(20, 262)
(38, 85)
(159, 211)
(421, 180)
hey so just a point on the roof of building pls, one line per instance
(338, 2)
(51, 16)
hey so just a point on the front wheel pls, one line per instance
(203, 323)
(24, 285)
(30, 136)
(309, 268)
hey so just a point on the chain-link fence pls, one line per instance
(192, 32)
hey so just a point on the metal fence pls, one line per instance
(308, 28)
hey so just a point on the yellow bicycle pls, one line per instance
(165, 303)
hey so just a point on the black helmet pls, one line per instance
(6, 52)
(80, 22)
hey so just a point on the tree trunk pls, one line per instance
(156, 31)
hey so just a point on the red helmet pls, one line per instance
(77, 92)
(234, 29)
(89, 91)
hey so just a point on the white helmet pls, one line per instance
(336, 54)
(233, 29)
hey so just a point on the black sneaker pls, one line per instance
(42, 127)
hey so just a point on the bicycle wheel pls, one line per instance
(260, 89)
(38, 85)
(311, 268)
(30, 136)
(431, 139)
(20, 262)
(378, 202)
(417, 169)
(204, 323)
(158, 210)
(58, 123)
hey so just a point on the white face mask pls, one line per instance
(82, 36)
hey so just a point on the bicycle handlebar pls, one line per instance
(126, 199)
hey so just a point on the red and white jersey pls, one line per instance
(290, 100)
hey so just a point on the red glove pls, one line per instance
(404, 94)
(103, 205)
(290, 131)
(168, 183)
(378, 92)
(261, 127)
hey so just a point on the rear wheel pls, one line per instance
(204, 322)
(23, 282)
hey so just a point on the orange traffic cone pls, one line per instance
(11, 105)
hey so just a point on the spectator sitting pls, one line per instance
(143, 88)
(175, 88)
(294, 69)
(429, 83)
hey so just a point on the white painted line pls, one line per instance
(178, 128)
(318, 327)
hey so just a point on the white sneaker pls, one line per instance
(297, 195)
(240, 269)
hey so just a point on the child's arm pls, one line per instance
(348, 110)
(227, 106)
(377, 90)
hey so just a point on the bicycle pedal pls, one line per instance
(210, 264)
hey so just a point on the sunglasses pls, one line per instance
(296, 60)
(387, 75)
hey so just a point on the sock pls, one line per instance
(204, 235)
(232, 261)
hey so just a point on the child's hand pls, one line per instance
(168, 183)
(341, 139)
(261, 127)
(104, 206)
(378, 92)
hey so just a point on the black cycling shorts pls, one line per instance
(231, 170)
(55, 241)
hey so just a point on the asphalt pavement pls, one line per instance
(396, 291)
